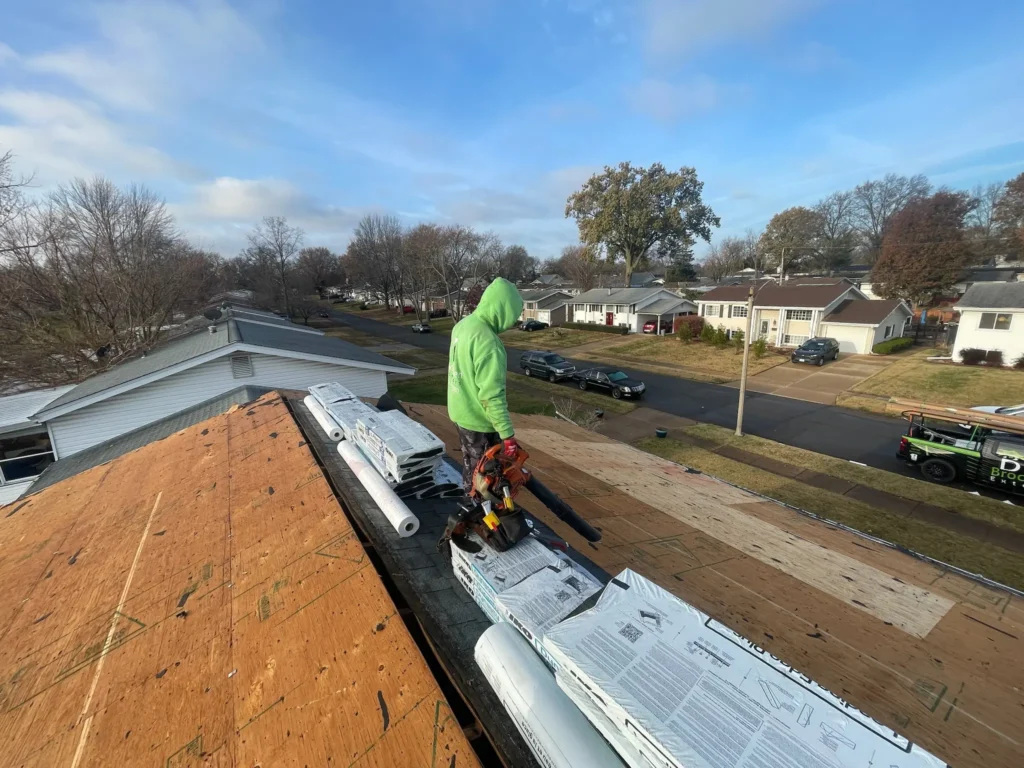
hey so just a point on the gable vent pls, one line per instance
(241, 366)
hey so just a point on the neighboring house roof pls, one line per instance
(993, 296)
(991, 276)
(554, 301)
(808, 293)
(232, 333)
(62, 469)
(618, 295)
(539, 294)
(664, 306)
(864, 311)
(642, 279)
(551, 279)
(16, 410)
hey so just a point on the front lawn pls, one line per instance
(552, 338)
(912, 377)
(725, 364)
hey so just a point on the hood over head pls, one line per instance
(500, 305)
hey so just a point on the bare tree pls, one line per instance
(753, 256)
(93, 274)
(720, 262)
(276, 239)
(318, 267)
(376, 253)
(422, 249)
(515, 264)
(581, 265)
(876, 202)
(460, 260)
(836, 238)
(982, 227)
(12, 203)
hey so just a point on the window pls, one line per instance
(620, 309)
(798, 314)
(241, 366)
(739, 310)
(995, 321)
(578, 307)
(531, 305)
(25, 456)
(888, 331)
(593, 307)
(711, 310)
(793, 341)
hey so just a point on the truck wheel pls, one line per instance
(938, 471)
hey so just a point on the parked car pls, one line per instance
(421, 328)
(651, 326)
(816, 351)
(532, 325)
(611, 380)
(324, 313)
(1005, 410)
(408, 310)
(547, 364)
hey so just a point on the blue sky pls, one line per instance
(490, 113)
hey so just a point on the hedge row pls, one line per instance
(594, 327)
(889, 346)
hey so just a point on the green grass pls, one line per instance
(566, 392)
(356, 337)
(912, 377)
(961, 502)
(963, 551)
(421, 359)
(550, 338)
(699, 356)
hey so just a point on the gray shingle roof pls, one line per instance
(664, 306)
(554, 301)
(16, 410)
(158, 430)
(538, 294)
(172, 352)
(617, 295)
(231, 329)
(993, 296)
(862, 311)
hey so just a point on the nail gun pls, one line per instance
(491, 511)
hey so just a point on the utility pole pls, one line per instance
(746, 361)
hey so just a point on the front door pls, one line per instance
(764, 330)
(609, 318)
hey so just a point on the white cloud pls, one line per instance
(7, 53)
(57, 138)
(682, 27)
(669, 102)
(148, 53)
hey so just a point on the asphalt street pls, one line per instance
(839, 432)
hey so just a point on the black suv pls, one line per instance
(547, 364)
(816, 351)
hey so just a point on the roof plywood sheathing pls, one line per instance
(919, 647)
(204, 600)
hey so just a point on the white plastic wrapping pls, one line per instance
(394, 509)
(347, 413)
(401, 446)
(331, 392)
(556, 731)
(690, 693)
(327, 424)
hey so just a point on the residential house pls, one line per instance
(548, 305)
(241, 347)
(645, 280)
(992, 318)
(25, 446)
(630, 307)
(787, 314)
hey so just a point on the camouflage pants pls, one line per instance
(474, 445)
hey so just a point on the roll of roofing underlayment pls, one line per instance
(327, 424)
(394, 509)
(554, 728)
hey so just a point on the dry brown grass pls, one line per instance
(723, 363)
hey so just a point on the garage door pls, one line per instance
(852, 338)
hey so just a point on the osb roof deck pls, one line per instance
(204, 600)
(932, 654)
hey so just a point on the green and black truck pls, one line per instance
(951, 444)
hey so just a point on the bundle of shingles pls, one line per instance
(407, 455)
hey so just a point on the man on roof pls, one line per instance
(476, 376)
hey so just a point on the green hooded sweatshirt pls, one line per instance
(477, 365)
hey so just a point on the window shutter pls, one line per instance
(241, 366)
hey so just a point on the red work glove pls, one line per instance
(511, 447)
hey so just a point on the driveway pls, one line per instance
(813, 383)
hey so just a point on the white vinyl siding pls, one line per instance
(105, 420)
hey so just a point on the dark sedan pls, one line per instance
(532, 325)
(816, 351)
(610, 380)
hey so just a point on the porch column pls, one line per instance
(782, 325)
